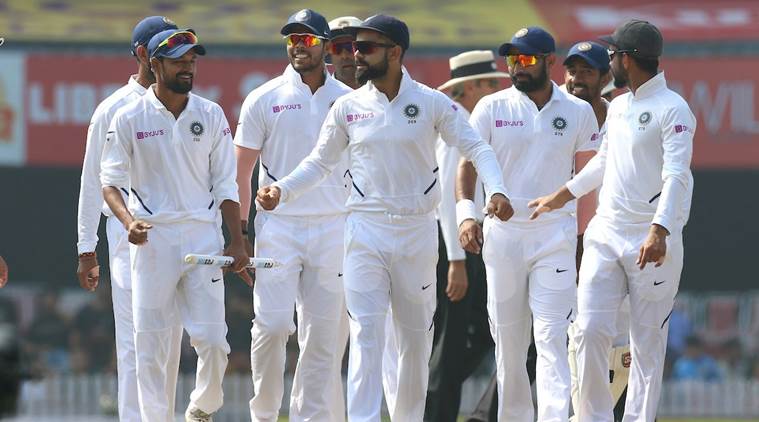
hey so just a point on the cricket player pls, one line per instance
(341, 50)
(91, 205)
(462, 337)
(389, 127)
(279, 125)
(587, 75)
(537, 131)
(644, 169)
(173, 151)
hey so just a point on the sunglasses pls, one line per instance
(369, 47)
(308, 40)
(176, 39)
(613, 52)
(338, 47)
(523, 59)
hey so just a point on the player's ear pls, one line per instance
(142, 55)
(155, 65)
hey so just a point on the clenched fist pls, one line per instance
(268, 197)
(138, 232)
(500, 206)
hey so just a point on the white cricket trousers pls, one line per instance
(160, 280)
(608, 273)
(390, 264)
(531, 274)
(126, 365)
(310, 281)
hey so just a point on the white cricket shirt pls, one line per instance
(91, 202)
(644, 162)
(391, 149)
(179, 169)
(282, 119)
(536, 148)
(448, 158)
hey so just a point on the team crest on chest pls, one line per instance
(196, 128)
(644, 118)
(559, 125)
(411, 111)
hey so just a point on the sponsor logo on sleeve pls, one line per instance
(683, 128)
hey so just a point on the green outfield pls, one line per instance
(432, 22)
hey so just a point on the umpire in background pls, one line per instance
(462, 336)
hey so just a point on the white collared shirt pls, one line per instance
(644, 162)
(448, 158)
(536, 148)
(91, 202)
(391, 148)
(174, 169)
(282, 119)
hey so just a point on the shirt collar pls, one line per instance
(135, 86)
(293, 76)
(651, 86)
(556, 95)
(406, 83)
(155, 102)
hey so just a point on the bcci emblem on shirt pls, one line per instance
(411, 111)
(197, 129)
(559, 125)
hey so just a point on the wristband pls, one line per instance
(465, 210)
(86, 254)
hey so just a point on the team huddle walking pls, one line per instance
(355, 167)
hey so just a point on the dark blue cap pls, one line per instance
(316, 23)
(530, 40)
(147, 28)
(177, 51)
(595, 54)
(393, 28)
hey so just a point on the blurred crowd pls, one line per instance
(711, 338)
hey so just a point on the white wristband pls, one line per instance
(465, 210)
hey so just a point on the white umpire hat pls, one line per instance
(471, 65)
(337, 26)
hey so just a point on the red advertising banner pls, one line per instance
(61, 93)
(686, 20)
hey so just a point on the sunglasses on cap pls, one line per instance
(176, 39)
(523, 59)
(369, 47)
(613, 52)
(338, 47)
(308, 40)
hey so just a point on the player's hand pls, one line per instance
(268, 197)
(499, 206)
(88, 272)
(237, 251)
(138, 232)
(470, 236)
(550, 202)
(457, 280)
(654, 248)
(3, 272)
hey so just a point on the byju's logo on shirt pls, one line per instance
(354, 117)
(285, 107)
(509, 123)
(149, 134)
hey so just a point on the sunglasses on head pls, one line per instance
(523, 59)
(308, 40)
(176, 39)
(369, 47)
(338, 47)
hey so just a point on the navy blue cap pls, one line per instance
(393, 28)
(316, 23)
(595, 54)
(530, 40)
(147, 28)
(177, 51)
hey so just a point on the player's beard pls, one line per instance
(588, 93)
(371, 72)
(531, 83)
(309, 66)
(619, 73)
(178, 85)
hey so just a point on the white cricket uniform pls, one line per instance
(282, 119)
(178, 172)
(644, 165)
(91, 205)
(530, 265)
(448, 162)
(390, 233)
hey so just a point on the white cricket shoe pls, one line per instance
(193, 414)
